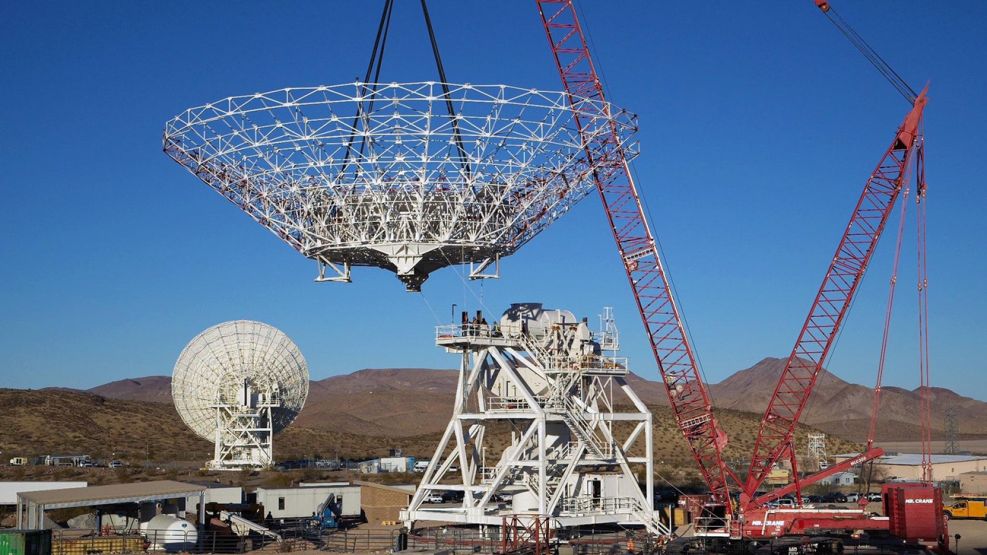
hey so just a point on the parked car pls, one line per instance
(874, 497)
(834, 497)
(783, 503)
(452, 497)
(496, 498)
(815, 499)
(116, 464)
(852, 497)
(434, 498)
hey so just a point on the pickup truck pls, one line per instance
(967, 507)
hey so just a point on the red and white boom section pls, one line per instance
(829, 309)
(687, 393)
(636, 245)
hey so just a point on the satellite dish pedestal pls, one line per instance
(543, 375)
(244, 429)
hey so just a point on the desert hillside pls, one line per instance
(342, 423)
(415, 401)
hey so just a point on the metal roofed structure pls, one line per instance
(410, 177)
(10, 489)
(31, 506)
(909, 459)
(916, 459)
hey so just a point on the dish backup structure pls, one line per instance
(410, 177)
(237, 384)
(548, 378)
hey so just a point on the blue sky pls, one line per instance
(759, 126)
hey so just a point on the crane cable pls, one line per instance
(374, 67)
(883, 67)
(463, 157)
(876, 401)
(376, 58)
(925, 393)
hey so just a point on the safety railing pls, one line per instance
(585, 504)
(511, 403)
(488, 474)
(551, 361)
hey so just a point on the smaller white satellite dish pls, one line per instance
(237, 384)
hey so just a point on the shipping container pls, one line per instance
(25, 542)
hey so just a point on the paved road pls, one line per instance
(973, 536)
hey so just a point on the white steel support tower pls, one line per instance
(536, 429)
(245, 426)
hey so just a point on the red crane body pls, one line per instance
(686, 390)
(832, 302)
(687, 393)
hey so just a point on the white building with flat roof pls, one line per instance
(302, 502)
(840, 479)
(908, 466)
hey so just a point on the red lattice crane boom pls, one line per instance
(832, 302)
(687, 393)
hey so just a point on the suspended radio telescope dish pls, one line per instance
(237, 384)
(402, 176)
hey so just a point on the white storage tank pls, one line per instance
(170, 533)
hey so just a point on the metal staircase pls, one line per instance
(650, 519)
(574, 418)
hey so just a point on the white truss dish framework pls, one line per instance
(542, 375)
(237, 384)
(382, 175)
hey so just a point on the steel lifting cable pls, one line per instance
(872, 430)
(872, 56)
(376, 79)
(463, 158)
(377, 61)
(925, 393)
(376, 58)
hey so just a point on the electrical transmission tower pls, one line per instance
(952, 431)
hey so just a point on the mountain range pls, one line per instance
(413, 401)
